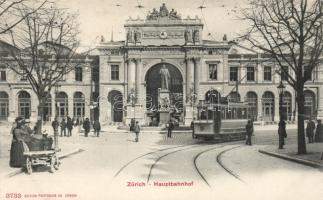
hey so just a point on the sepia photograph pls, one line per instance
(161, 99)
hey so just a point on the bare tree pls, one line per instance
(47, 39)
(291, 31)
(9, 9)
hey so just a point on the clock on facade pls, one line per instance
(163, 35)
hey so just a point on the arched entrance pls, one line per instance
(153, 82)
(62, 105)
(47, 112)
(116, 102)
(268, 106)
(4, 106)
(287, 106)
(310, 104)
(252, 100)
(24, 104)
(79, 105)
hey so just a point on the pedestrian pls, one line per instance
(86, 127)
(192, 128)
(170, 127)
(137, 131)
(310, 130)
(55, 125)
(319, 132)
(282, 134)
(69, 126)
(249, 132)
(19, 134)
(63, 127)
(97, 128)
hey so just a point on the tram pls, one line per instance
(225, 121)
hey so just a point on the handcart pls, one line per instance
(45, 158)
(40, 153)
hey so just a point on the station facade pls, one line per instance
(129, 72)
(125, 80)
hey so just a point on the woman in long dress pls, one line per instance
(17, 158)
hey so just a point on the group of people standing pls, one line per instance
(68, 125)
(318, 129)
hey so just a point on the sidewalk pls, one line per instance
(313, 157)
(68, 146)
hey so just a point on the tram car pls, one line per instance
(222, 121)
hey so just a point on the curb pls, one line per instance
(62, 156)
(293, 159)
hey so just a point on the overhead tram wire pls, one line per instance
(206, 25)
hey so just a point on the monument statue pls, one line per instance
(163, 11)
(165, 76)
(137, 36)
(187, 36)
(196, 36)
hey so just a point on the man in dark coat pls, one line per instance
(249, 131)
(86, 126)
(55, 125)
(282, 134)
(69, 126)
(319, 132)
(192, 128)
(170, 128)
(63, 127)
(310, 130)
(137, 131)
(97, 128)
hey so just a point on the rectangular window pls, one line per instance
(250, 74)
(267, 73)
(213, 71)
(306, 68)
(78, 74)
(114, 72)
(284, 74)
(3, 75)
(233, 73)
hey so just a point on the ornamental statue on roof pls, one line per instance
(163, 13)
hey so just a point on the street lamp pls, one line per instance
(281, 125)
(56, 116)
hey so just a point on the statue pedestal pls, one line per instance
(164, 117)
(163, 105)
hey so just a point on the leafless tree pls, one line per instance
(9, 9)
(47, 40)
(291, 31)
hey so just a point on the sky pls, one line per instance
(100, 17)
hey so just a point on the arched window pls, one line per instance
(310, 104)
(79, 105)
(62, 105)
(116, 105)
(268, 106)
(4, 106)
(234, 97)
(212, 96)
(47, 113)
(287, 106)
(24, 104)
(252, 100)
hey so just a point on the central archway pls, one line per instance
(153, 82)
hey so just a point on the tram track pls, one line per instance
(146, 154)
(220, 162)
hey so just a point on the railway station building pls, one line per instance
(124, 78)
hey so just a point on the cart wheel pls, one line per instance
(29, 166)
(56, 163)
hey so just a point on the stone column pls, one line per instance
(189, 87)
(138, 80)
(131, 75)
(197, 68)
